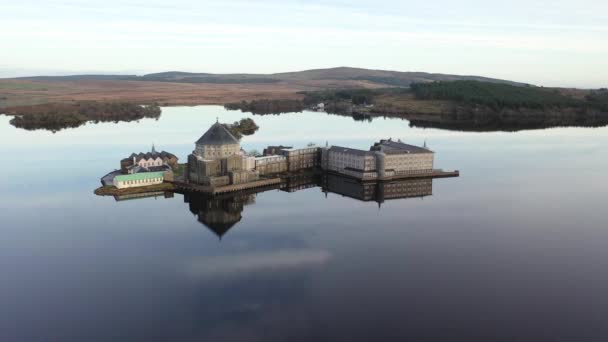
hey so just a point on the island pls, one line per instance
(219, 165)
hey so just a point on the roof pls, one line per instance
(217, 135)
(151, 155)
(348, 150)
(396, 147)
(138, 176)
(278, 147)
(139, 169)
(291, 149)
(219, 228)
(270, 157)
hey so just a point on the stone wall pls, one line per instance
(371, 165)
(240, 177)
(411, 163)
(279, 166)
(302, 158)
(216, 151)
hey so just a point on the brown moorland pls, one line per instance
(20, 92)
(182, 88)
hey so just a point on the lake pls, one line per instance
(515, 249)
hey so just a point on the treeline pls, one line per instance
(336, 101)
(354, 96)
(245, 126)
(494, 95)
(267, 106)
(598, 99)
(57, 116)
(511, 120)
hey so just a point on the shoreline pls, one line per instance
(110, 190)
(280, 180)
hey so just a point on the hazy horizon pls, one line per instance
(557, 43)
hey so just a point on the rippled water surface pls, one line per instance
(515, 249)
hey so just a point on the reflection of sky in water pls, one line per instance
(518, 238)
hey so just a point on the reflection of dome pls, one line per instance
(219, 221)
(219, 228)
(218, 214)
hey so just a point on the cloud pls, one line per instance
(471, 37)
(236, 264)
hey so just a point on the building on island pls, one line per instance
(218, 160)
(142, 169)
(272, 164)
(279, 159)
(150, 161)
(384, 160)
(139, 179)
(301, 158)
(272, 150)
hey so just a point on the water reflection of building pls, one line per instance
(218, 213)
(155, 194)
(378, 191)
(301, 182)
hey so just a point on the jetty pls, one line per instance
(181, 186)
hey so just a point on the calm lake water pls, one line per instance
(516, 249)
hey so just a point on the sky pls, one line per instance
(550, 43)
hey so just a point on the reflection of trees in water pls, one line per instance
(492, 121)
(58, 116)
(264, 107)
(506, 121)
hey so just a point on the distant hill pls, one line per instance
(377, 77)
(391, 78)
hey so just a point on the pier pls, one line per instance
(190, 187)
(294, 182)
(437, 173)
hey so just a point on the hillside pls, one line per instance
(380, 77)
(186, 88)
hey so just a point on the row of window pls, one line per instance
(142, 181)
(151, 164)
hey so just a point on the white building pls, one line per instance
(385, 159)
(248, 163)
(138, 179)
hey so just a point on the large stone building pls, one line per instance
(217, 160)
(279, 159)
(273, 164)
(301, 158)
(384, 160)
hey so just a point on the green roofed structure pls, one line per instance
(138, 179)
